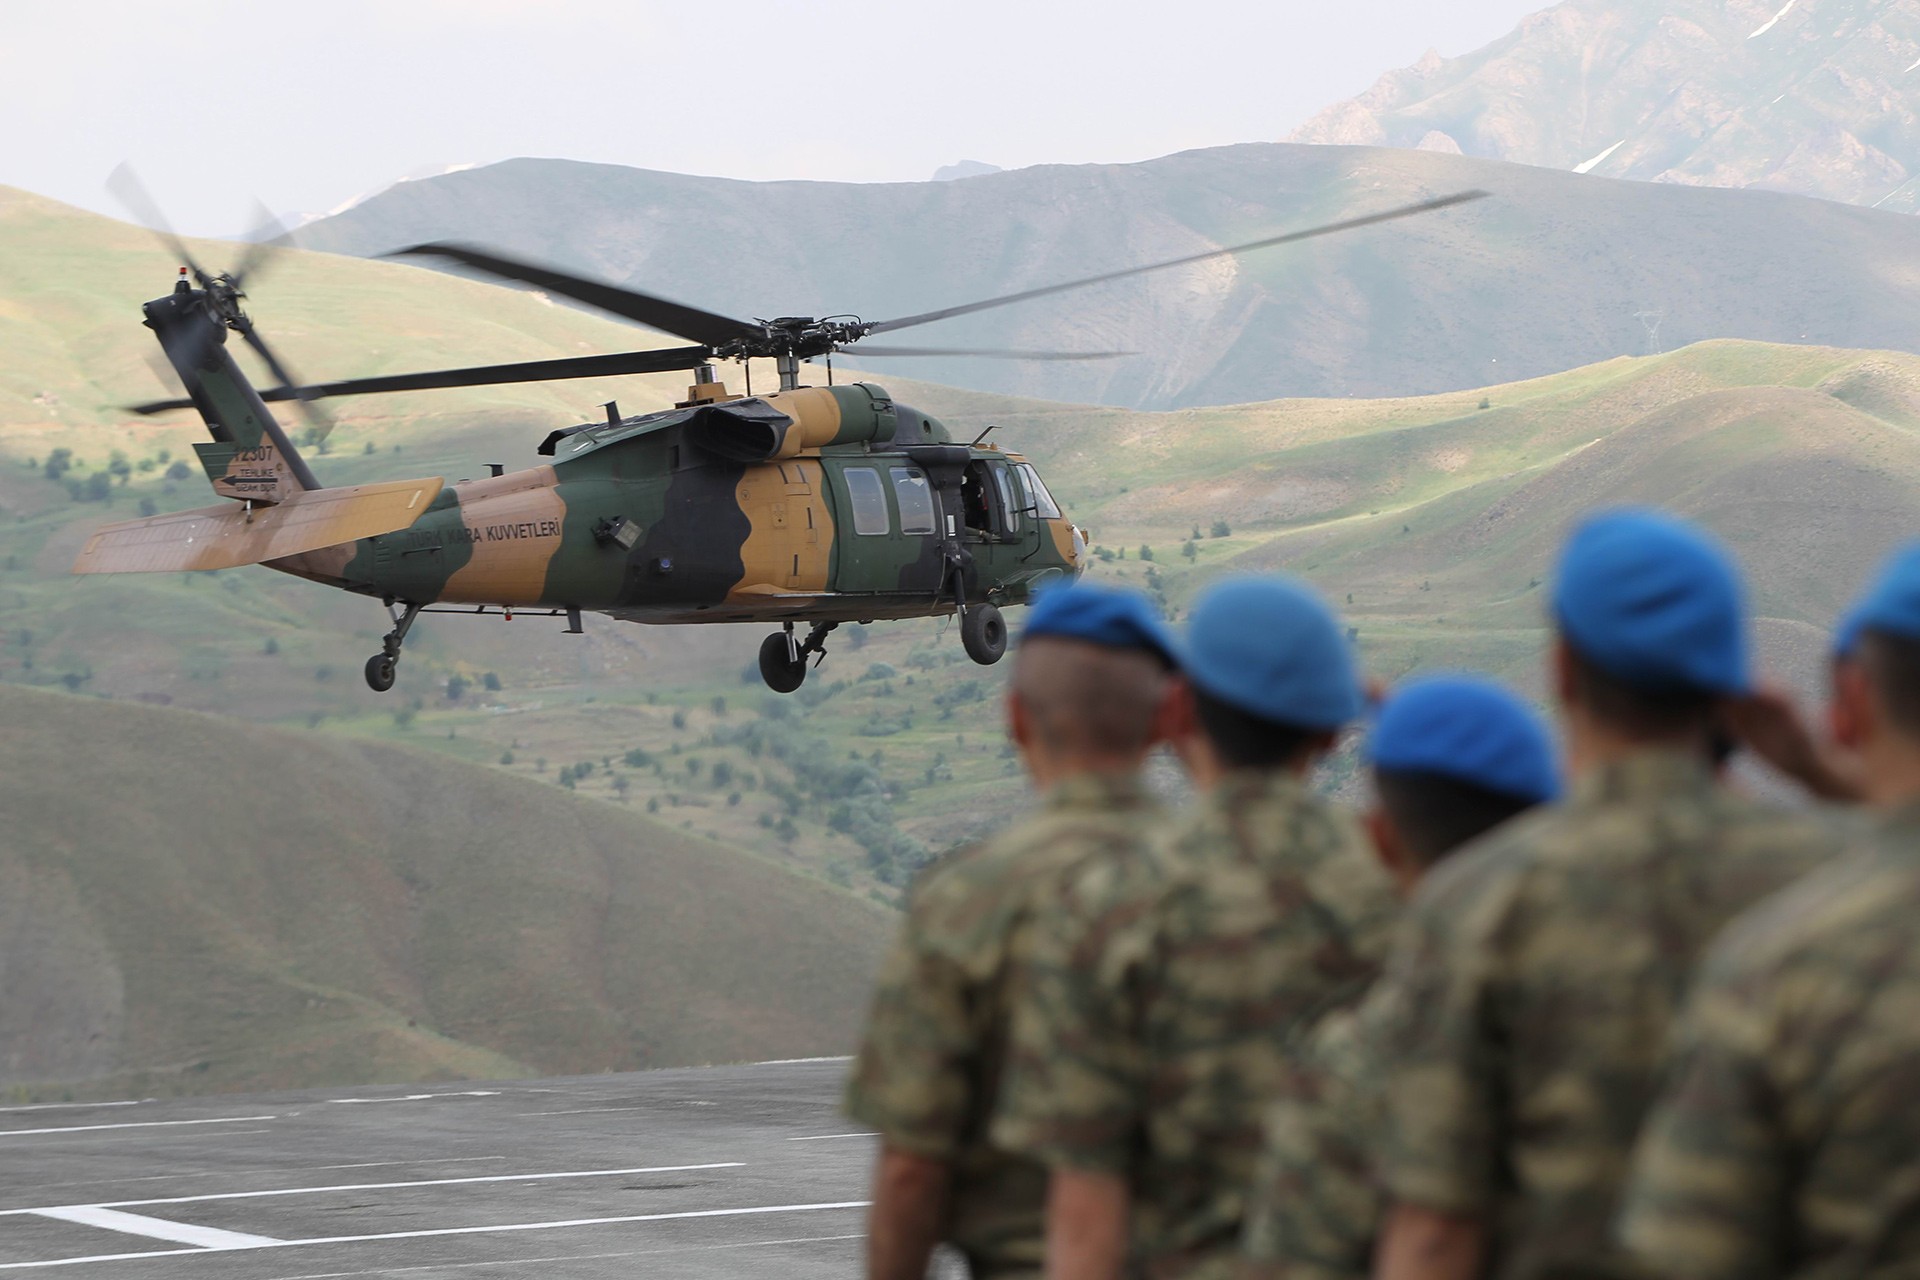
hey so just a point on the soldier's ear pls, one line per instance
(1019, 721)
(1562, 676)
(1852, 713)
(1174, 720)
(1394, 854)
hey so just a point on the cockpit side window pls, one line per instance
(1010, 505)
(1042, 501)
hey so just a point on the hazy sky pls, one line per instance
(308, 105)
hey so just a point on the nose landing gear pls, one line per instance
(381, 666)
(783, 657)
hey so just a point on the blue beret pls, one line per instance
(1654, 602)
(1110, 616)
(1270, 647)
(1891, 604)
(1846, 632)
(1471, 730)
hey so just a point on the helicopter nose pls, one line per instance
(1079, 551)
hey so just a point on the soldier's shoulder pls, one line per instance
(1038, 847)
(1758, 818)
(1493, 867)
(1859, 898)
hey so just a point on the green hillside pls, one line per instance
(1550, 274)
(1437, 516)
(1433, 521)
(193, 905)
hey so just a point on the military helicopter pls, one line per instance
(808, 506)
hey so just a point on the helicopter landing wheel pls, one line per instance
(779, 667)
(983, 633)
(380, 671)
(381, 666)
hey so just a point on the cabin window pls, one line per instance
(1043, 504)
(869, 499)
(915, 498)
(1007, 502)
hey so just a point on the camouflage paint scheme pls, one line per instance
(1535, 980)
(741, 509)
(1164, 998)
(1787, 1141)
(721, 540)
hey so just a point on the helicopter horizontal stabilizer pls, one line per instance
(227, 536)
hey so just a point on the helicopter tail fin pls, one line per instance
(250, 457)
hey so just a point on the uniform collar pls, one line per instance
(1654, 774)
(1093, 792)
(1902, 821)
(1238, 786)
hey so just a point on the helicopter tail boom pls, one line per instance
(226, 537)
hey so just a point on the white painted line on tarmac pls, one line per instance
(577, 1111)
(75, 1106)
(562, 1223)
(380, 1186)
(571, 1257)
(799, 1062)
(132, 1124)
(135, 1224)
(382, 1164)
(830, 1137)
(555, 1225)
(228, 1173)
(423, 1097)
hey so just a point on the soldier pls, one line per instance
(1164, 990)
(1085, 707)
(1452, 757)
(1787, 1140)
(1536, 974)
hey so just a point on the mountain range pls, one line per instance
(1555, 270)
(1809, 96)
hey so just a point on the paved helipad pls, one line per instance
(729, 1171)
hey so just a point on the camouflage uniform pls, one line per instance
(1315, 1206)
(1788, 1139)
(1535, 979)
(1161, 1006)
(930, 1067)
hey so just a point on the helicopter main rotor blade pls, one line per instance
(269, 236)
(675, 318)
(991, 353)
(1348, 224)
(662, 360)
(318, 423)
(125, 186)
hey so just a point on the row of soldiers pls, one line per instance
(1632, 1023)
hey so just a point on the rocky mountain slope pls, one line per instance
(1810, 96)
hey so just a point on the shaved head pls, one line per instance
(1088, 702)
